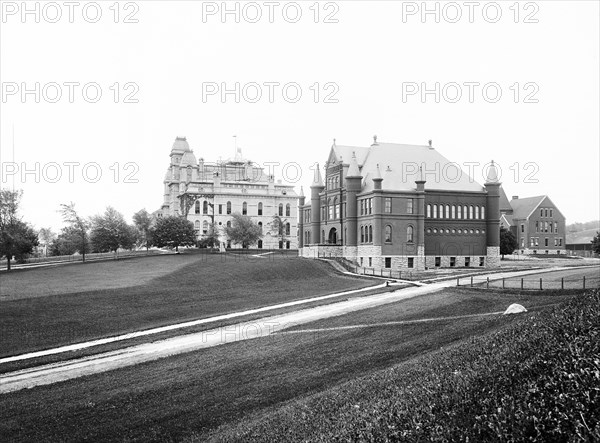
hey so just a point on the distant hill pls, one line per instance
(578, 233)
(578, 227)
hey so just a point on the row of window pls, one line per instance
(333, 182)
(535, 241)
(205, 204)
(411, 262)
(458, 212)
(366, 234)
(454, 231)
(545, 211)
(287, 227)
(543, 227)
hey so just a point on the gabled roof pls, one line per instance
(399, 166)
(504, 203)
(524, 207)
(506, 219)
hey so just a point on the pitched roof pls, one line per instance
(523, 207)
(508, 218)
(504, 203)
(400, 164)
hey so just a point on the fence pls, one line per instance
(530, 283)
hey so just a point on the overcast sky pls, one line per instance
(365, 64)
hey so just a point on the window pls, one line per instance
(388, 262)
(287, 229)
(551, 227)
(537, 241)
(281, 209)
(546, 212)
(370, 262)
(477, 212)
(481, 261)
(260, 226)
(280, 244)
(555, 242)
(244, 208)
(370, 234)
(409, 234)
(260, 244)
(287, 245)
(260, 209)
(362, 234)
(434, 211)
(550, 212)
(545, 226)
(465, 212)
(330, 207)
(370, 206)
(197, 207)
(560, 242)
(229, 224)
(459, 212)
(537, 226)
(447, 211)
(438, 262)
(467, 262)
(388, 205)
(471, 212)
(541, 212)
(411, 262)
(428, 211)
(229, 207)
(205, 207)
(205, 227)
(522, 242)
(556, 227)
(452, 262)
(197, 225)
(362, 207)
(361, 261)
(335, 208)
(483, 212)
(409, 206)
(388, 234)
(546, 241)
(220, 209)
(532, 243)
(287, 210)
(453, 213)
(522, 227)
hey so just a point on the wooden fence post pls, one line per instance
(471, 281)
(502, 283)
(584, 282)
(562, 283)
(457, 282)
(540, 284)
(521, 283)
(488, 283)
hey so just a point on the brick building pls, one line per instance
(394, 206)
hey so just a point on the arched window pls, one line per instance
(260, 209)
(287, 210)
(434, 211)
(229, 207)
(471, 212)
(447, 211)
(281, 209)
(465, 212)
(483, 212)
(205, 227)
(335, 208)
(205, 207)
(244, 208)
(477, 212)
(287, 229)
(229, 224)
(453, 214)
(197, 207)
(260, 226)
(459, 214)
(370, 234)
(362, 234)
(197, 225)
(428, 211)
(260, 244)
(388, 234)
(409, 234)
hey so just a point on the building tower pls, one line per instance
(492, 186)
(353, 187)
(315, 207)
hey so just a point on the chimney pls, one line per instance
(515, 197)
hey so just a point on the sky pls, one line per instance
(94, 93)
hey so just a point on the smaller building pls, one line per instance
(536, 222)
(580, 243)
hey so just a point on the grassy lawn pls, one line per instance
(192, 395)
(170, 289)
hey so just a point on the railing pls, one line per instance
(524, 283)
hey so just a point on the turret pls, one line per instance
(315, 206)
(420, 207)
(301, 202)
(492, 186)
(353, 187)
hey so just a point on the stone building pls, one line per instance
(206, 192)
(394, 206)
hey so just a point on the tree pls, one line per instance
(79, 227)
(110, 232)
(17, 238)
(46, 237)
(243, 231)
(143, 223)
(508, 242)
(211, 238)
(596, 243)
(173, 231)
(67, 243)
(278, 227)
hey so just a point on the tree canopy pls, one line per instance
(143, 223)
(17, 238)
(78, 225)
(508, 242)
(243, 230)
(596, 243)
(110, 232)
(173, 231)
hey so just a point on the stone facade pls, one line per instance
(371, 212)
(206, 192)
